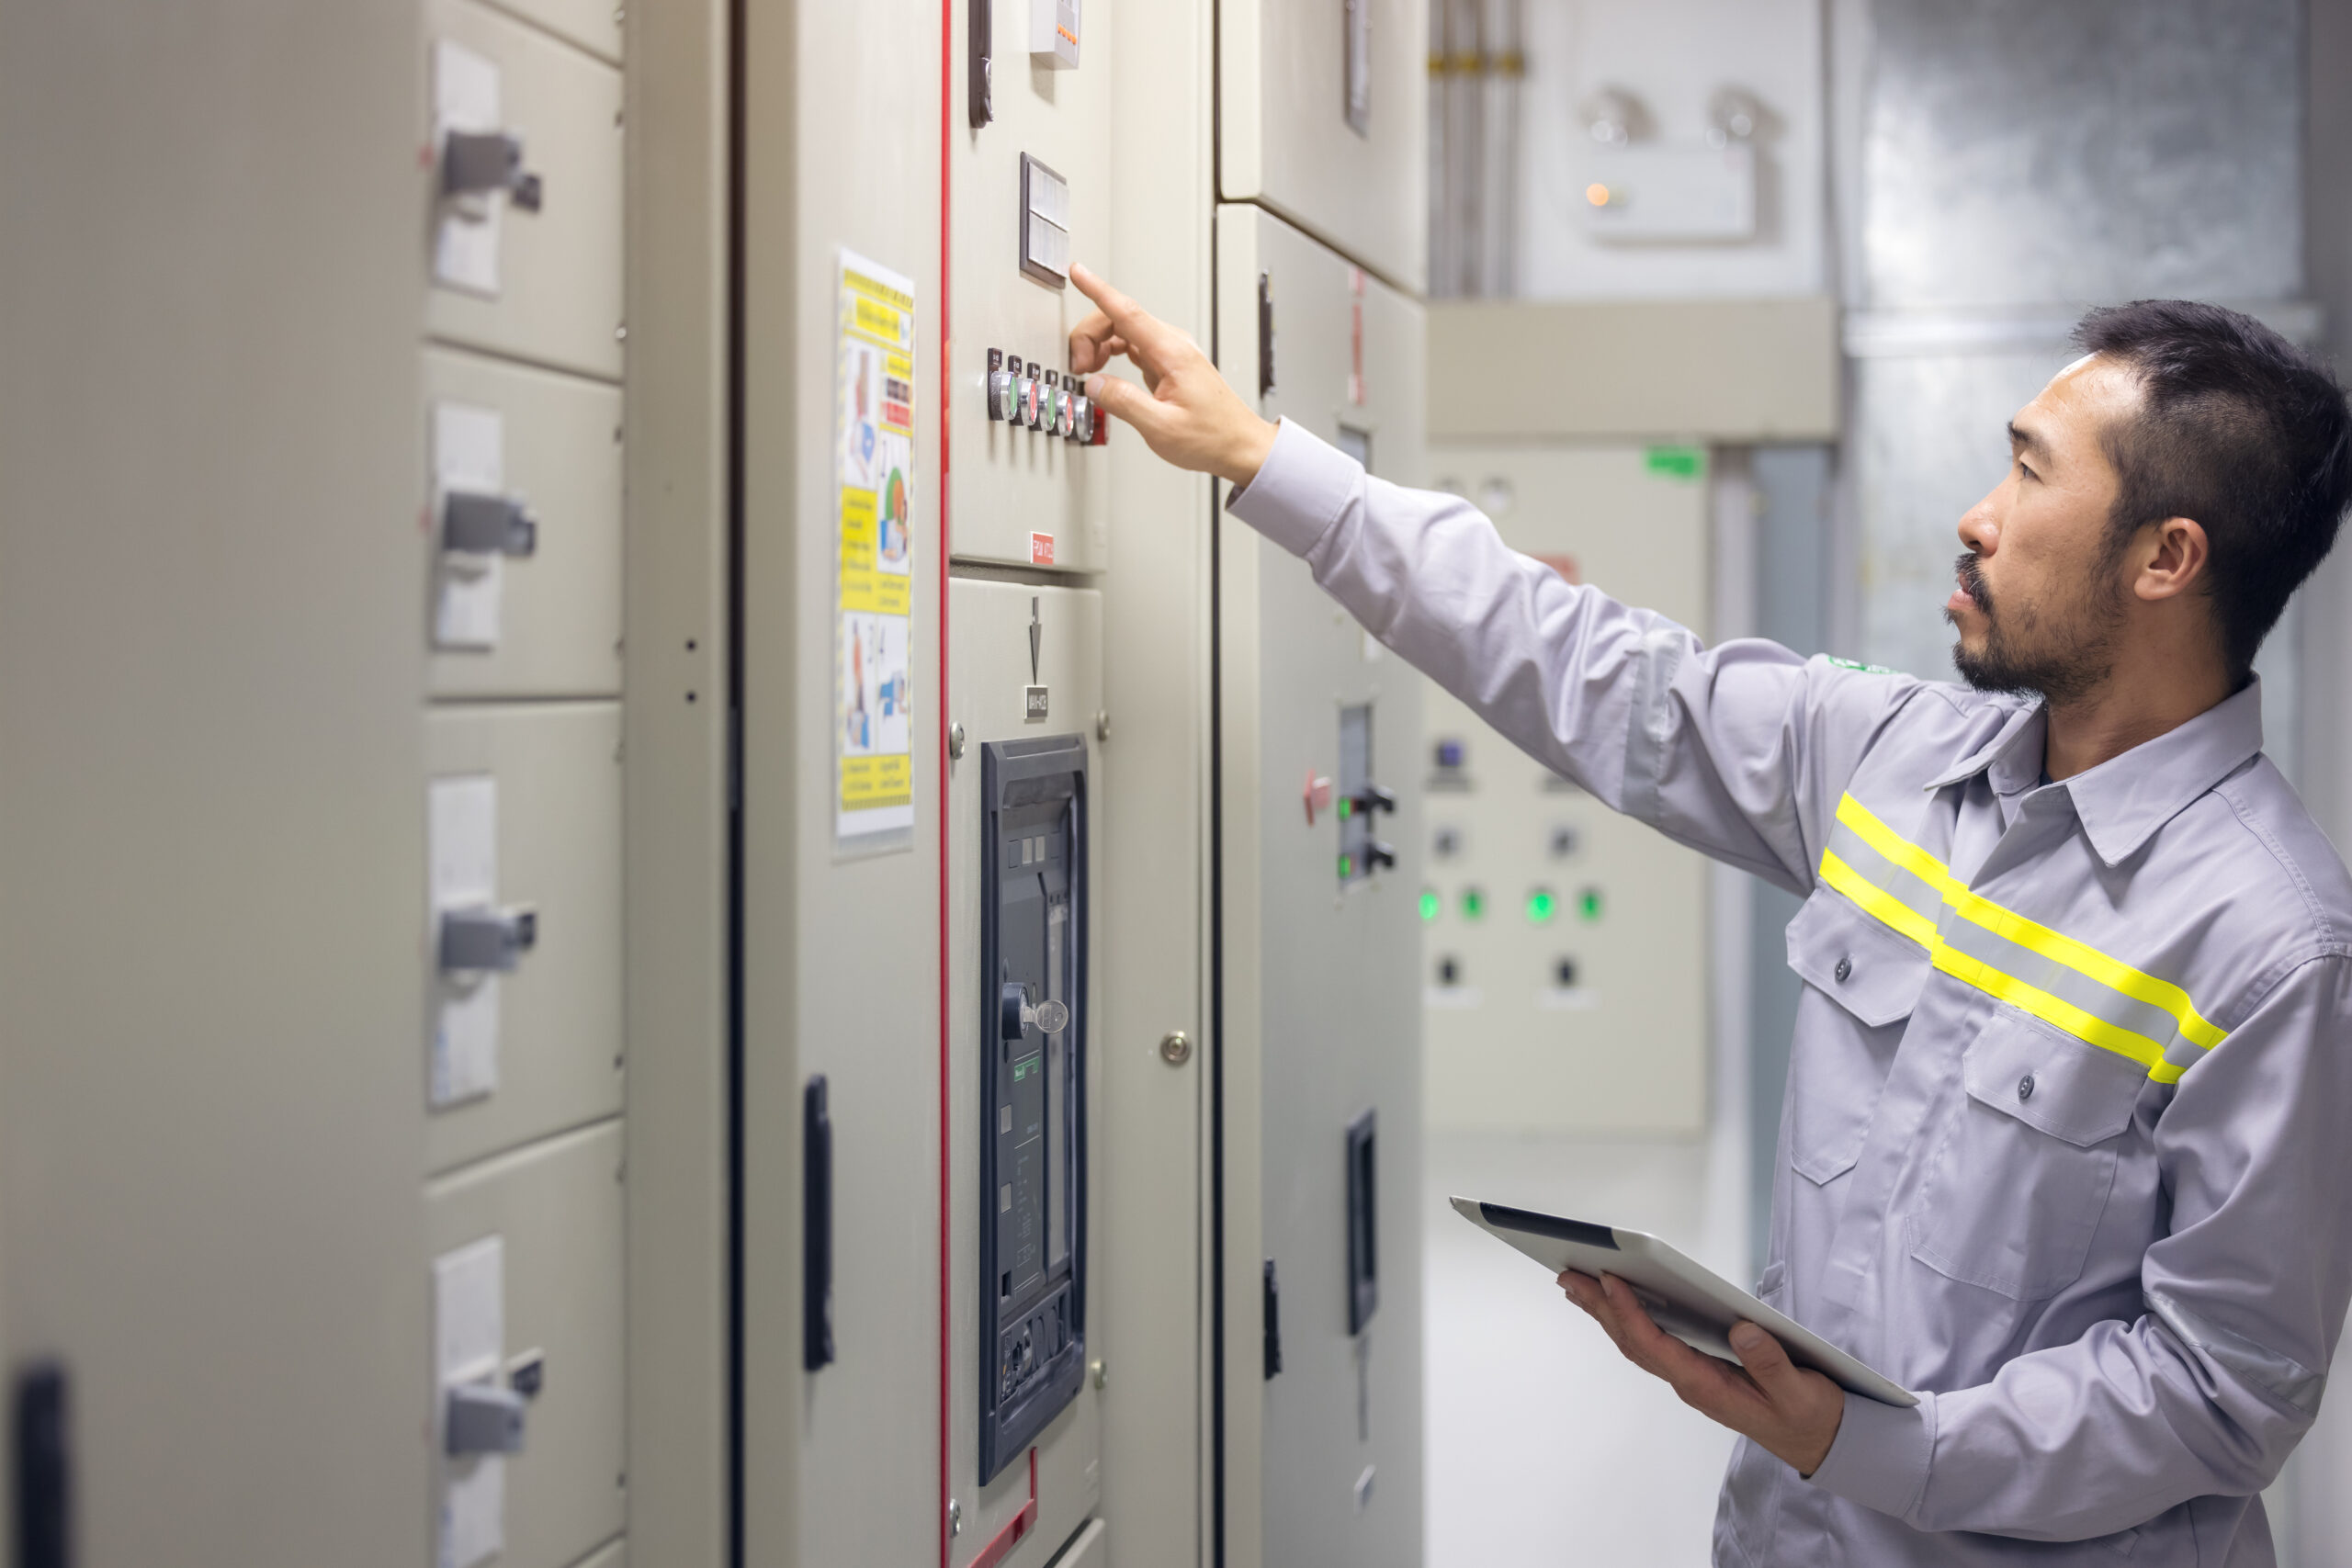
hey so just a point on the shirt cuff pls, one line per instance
(1881, 1455)
(1300, 491)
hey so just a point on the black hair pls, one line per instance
(2238, 430)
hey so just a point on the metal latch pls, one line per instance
(474, 522)
(483, 1418)
(475, 162)
(484, 938)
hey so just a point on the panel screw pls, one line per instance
(1101, 1374)
(1175, 1048)
(955, 740)
(1102, 727)
(620, 333)
(955, 1517)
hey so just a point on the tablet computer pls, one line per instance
(1696, 1305)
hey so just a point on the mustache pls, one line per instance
(1971, 580)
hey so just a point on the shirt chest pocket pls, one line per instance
(1862, 981)
(2022, 1178)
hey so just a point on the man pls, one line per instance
(2065, 1145)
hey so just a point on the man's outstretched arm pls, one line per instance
(1737, 750)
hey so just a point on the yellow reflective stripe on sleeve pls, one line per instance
(2148, 996)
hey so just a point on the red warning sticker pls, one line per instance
(1041, 550)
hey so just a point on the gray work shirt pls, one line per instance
(2064, 1144)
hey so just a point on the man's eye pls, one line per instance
(2027, 470)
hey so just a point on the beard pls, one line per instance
(2060, 657)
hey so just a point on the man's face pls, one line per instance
(2041, 596)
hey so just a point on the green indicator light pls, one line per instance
(1346, 808)
(1347, 867)
(1473, 903)
(1589, 904)
(1431, 904)
(1542, 904)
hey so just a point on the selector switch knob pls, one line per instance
(483, 939)
(1378, 856)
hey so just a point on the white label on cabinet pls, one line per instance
(462, 823)
(465, 97)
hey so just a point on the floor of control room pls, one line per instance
(1546, 1448)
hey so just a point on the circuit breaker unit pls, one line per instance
(1033, 1091)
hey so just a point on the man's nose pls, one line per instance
(1980, 527)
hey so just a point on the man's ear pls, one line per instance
(2171, 558)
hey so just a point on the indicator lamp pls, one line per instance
(1431, 904)
(1542, 904)
(1589, 903)
(1473, 903)
(1347, 867)
(1347, 807)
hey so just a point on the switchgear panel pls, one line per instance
(1323, 116)
(1553, 929)
(1033, 1094)
(1321, 1033)
(1029, 178)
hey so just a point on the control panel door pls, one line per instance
(1025, 1422)
(523, 1015)
(1323, 116)
(1029, 190)
(1333, 726)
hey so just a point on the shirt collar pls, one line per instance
(2125, 799)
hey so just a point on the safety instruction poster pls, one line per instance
(874, 538)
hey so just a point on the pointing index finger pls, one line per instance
(1146, 338)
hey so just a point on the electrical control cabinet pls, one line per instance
(1323, 113)
(1029, 190)
(1553, 930)
(1323, 827)
(1024, 1432)
(542, 1304)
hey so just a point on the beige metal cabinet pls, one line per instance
(551, 291)
(594, 25)
(558, 631)
(558, 771)
(1025, 497)
(1554, 930)
(1323, 116)
(556, 1208)
(1324, 1455)
(989, 676)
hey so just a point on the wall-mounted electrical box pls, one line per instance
(1033, 1095)
(1672, 195)
(1552, 929)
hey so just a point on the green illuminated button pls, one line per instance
(1473, 903)
(1431, 904)
(1347, 807)
(1542, 904)
(1589, 903)
(1347, 867)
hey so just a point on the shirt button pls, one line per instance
(2025, 1086)
(1844, 967)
